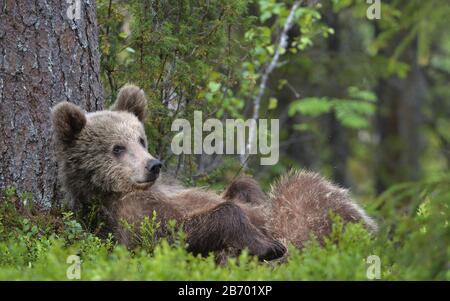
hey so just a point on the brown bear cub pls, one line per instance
(103, 155)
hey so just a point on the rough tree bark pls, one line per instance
(45, 57)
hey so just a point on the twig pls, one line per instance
(262, 85)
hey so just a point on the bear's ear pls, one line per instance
(68, 120)
(131, 99)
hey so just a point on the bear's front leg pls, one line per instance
(227, 226)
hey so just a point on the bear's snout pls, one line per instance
(153, 167)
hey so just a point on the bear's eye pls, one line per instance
(118, 150)
(142, 141)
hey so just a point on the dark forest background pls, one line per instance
(365, 102)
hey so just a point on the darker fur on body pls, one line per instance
(91, 167)
(211, 223)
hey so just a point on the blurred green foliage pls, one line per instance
(352, 113)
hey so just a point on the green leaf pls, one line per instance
(303, 127)
(123, 35)
(310, 106)
(265, 16)
(273, 102)
(213, 87)
(352, 120)
(355, 92)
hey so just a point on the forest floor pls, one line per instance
(412, 244)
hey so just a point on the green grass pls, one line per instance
(413, 244)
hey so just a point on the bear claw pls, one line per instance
(270, 250)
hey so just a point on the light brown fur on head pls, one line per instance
(68, 121)
(132, 99)
(102, 152)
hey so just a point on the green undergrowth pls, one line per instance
(413, 244)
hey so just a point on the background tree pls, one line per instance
(45, 57)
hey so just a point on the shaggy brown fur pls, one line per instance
(305, 200)
(103, 156)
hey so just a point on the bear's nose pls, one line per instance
(153, 166)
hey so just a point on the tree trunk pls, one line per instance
(337, 134)
(399, 122)
(47, 55)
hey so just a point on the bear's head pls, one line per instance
(104, 151)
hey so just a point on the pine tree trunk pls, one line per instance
(47, 55)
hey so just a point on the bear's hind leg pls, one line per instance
(246, 190)
(227, 226)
